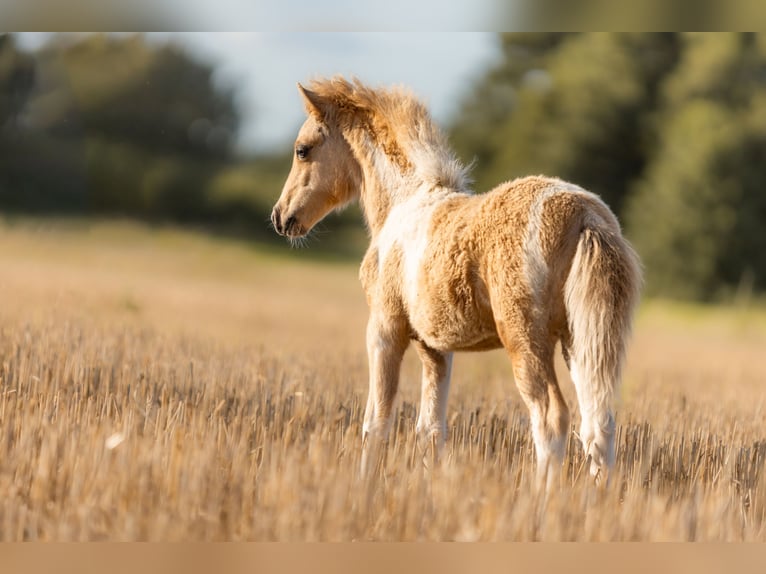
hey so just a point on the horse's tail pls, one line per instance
(601, 292)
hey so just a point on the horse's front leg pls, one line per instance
(432, 418)
(387, 340)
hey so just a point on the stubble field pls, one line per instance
(161, 385)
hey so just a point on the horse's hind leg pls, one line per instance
(536, 380)
(432, 417)
(386, 342)
(597, 426)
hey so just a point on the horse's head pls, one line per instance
(324, 175)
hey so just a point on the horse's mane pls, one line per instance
(400, 124)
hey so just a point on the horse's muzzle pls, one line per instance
(288, 227)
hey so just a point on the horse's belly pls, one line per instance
(447, 326)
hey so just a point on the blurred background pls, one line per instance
(195, 130)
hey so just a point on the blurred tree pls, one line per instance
(573, 107)
(698, 215)
(127, 90)
(153, 125)
(17, 71)
(478, 132)
(114, 124)
(36, 173)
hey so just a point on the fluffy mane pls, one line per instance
(400, 124)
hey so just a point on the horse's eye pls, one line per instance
(302, 151)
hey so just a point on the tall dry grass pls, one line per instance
(156, 385)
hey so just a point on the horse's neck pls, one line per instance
(384, 185)
(377, 200)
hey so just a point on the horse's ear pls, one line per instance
(314, 103)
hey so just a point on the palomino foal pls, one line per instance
(533, 262)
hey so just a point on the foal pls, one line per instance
(533, 262)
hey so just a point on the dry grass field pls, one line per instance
(162, 385)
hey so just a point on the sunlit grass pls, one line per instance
(731, 319)
(157, 384)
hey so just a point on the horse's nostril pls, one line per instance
(289, 223)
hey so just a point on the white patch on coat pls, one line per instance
(535, 265)
(561, 185)
(407, 227)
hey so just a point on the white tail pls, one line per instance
(601, 292)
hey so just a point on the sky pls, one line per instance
(264, 68)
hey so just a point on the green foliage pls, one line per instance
(682, 207)
(156, 98)
(113, 125)
(698, 213)
(17, 73)
(478, 134)
(16, 80)
(574, 106)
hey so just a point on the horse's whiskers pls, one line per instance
(298, 242)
